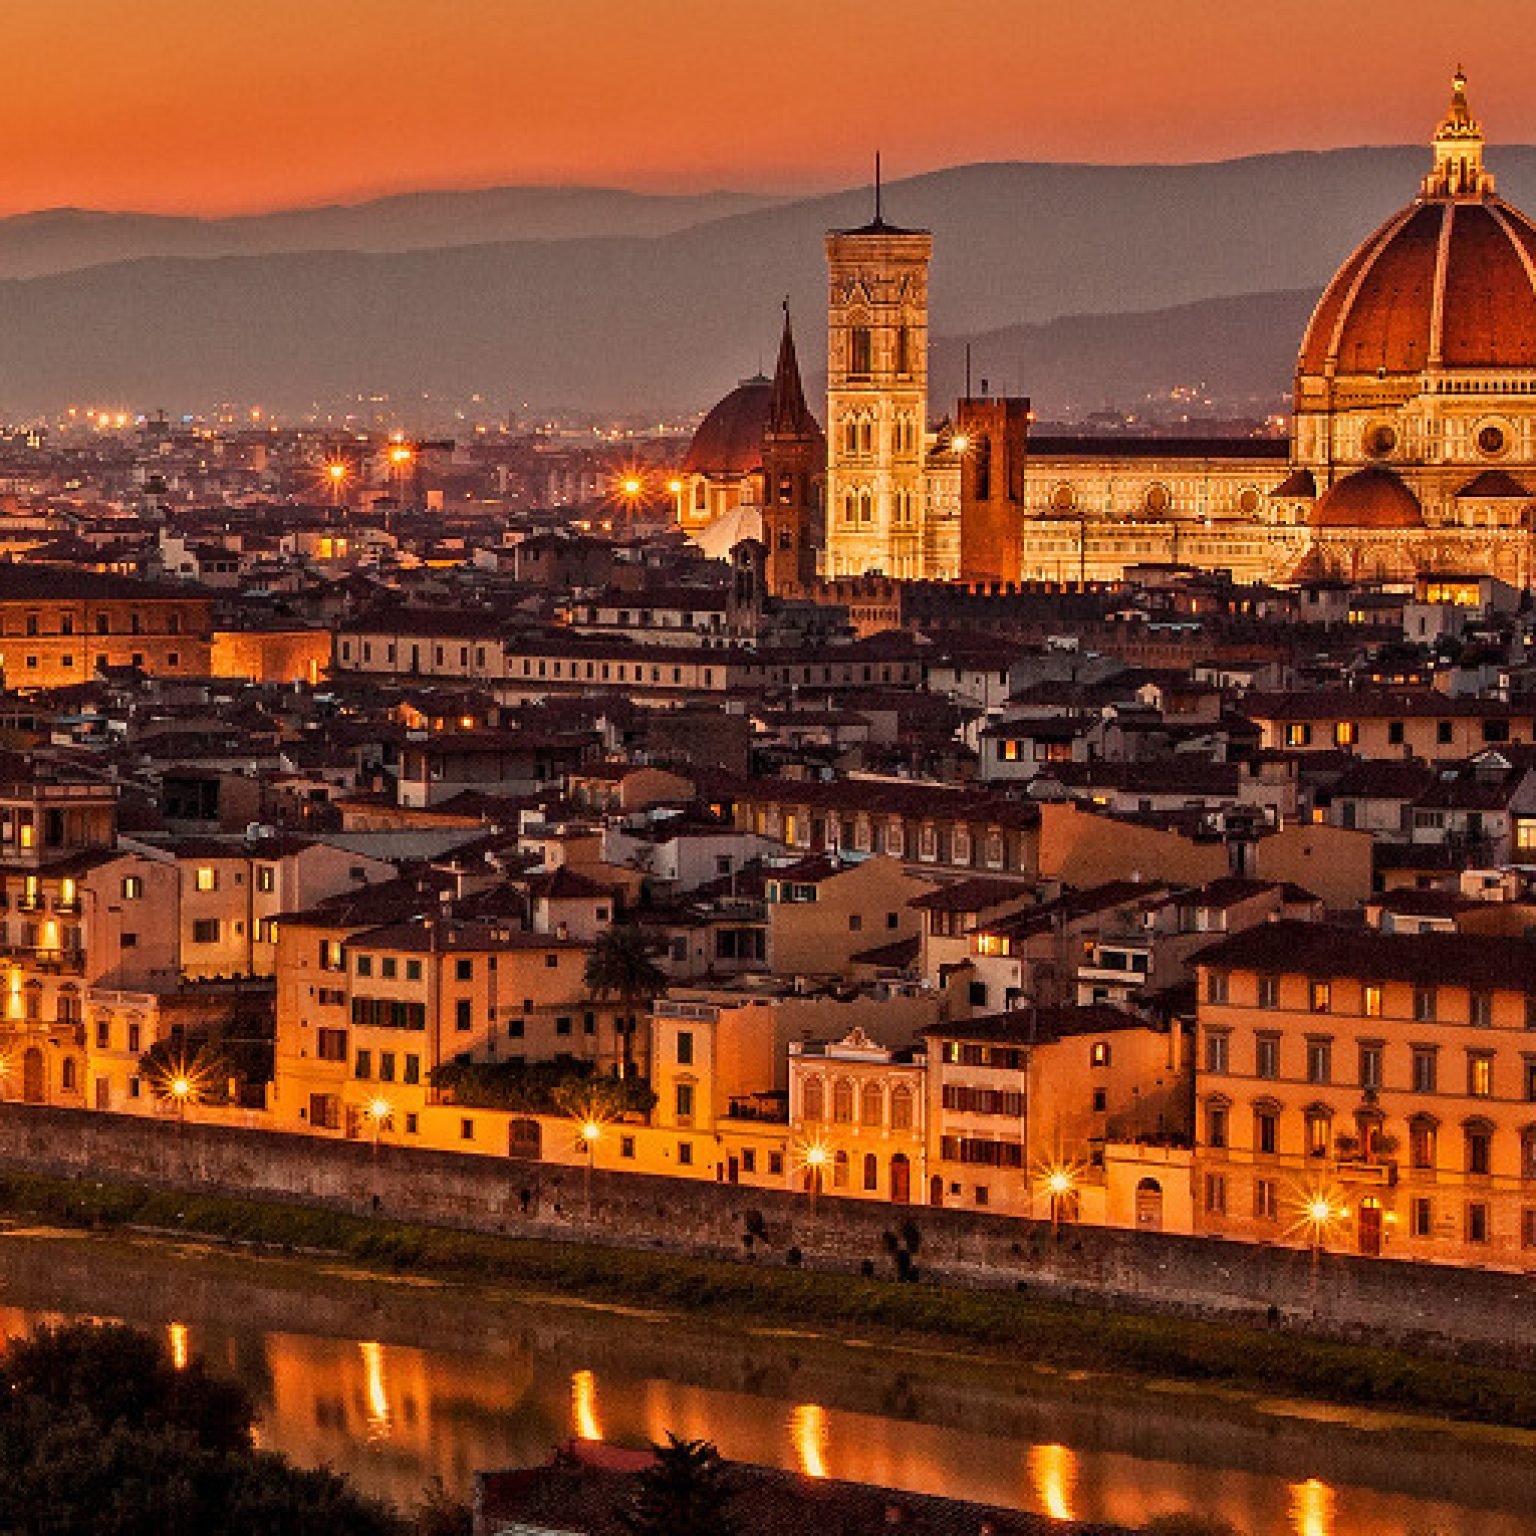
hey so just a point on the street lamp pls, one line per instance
(336, 473)
(1059, 1185)
(591, 1132)
(815, 1158)
(379, 1111)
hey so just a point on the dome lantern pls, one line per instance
(1458, 145)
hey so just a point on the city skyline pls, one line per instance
(281, 105)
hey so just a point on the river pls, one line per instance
(399, 1381)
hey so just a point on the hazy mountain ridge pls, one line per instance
(669, 321)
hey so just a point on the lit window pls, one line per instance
(1371, 1004)
(207, 878)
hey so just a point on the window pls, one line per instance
(1267, 1056)
(1424, 1004)
(133, 887)
(1319, 1061)
(266, 879)
(842, 1101)
(1216, 1194)
(1528, 1227)
(685, 1047)
(813, 1102)
(1370, 1064)
(205, 930)
(1425, 1069)
(1269, 992)
(1319, 996)
(1100, 1053)
(1266, 1200)
(1266, 1131)
(626, 1146)
(1319, 1132)
(1477, 1221)
(1530, 1080)
(1421, 1216)
(464, 970)
(776, 1164)
(413, 970)
(872, 1105)
(386, 1066)
(464, 1014)
(684, 1101)
(1479, 1150)
(1215, 986)
(901, 1108)
(365, 965)
(685, 1154)
(466, 1130)
(388, 967)
(412, 1068)
(1443, 732)
(364, 1065)
(1100, 1100)
(1480, 1074)
(1422, 1133)
(1216, 1042)
(207, 878)
(1216, 1125)
(860, 350)
(1370, 1001)
(563, 1024)
(1480, 1010)
(1346, 733)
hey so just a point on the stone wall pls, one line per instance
(1468, 1310)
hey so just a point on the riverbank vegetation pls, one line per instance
(101, 1429)
(1021, 1328)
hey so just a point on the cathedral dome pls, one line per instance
(1449, 282)
(729, 442)
(1372, 498)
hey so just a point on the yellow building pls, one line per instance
(1370, 1091)
(822, 912)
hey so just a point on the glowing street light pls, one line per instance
(960, 442)
(1318, 1212)
(814, 1159)
(589, 1133)
(182, 1086)
(1059, 1185)
(379, 1110)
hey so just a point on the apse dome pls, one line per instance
(1372, 498)
(729, 441)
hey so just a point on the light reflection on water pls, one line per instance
(394, 1416)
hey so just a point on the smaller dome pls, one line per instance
(729, 441)
(1369, 498)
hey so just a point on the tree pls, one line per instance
(623, 965)
(102, 1435)
(686, 1491)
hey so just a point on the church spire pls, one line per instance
(1458, 173)
(788, 414)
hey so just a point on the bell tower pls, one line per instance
(794, 478)
(877, 397)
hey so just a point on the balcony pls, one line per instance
(67, 907)
(760, 1108)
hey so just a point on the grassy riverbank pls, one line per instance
(998, 1323)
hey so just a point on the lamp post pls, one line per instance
(815, 1160)
(379, 1110)
(181, 1090)
(1058, 1184)
(1320, 1212)
(591, 1131)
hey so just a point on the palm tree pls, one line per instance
(623, 965)
(684, 1492)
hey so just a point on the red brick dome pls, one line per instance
(1447, 283)
(729, 441)
(1369, 498)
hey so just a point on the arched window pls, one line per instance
(866, 507)
(903, 350)
(861, 351)
(842, 1101)
(1422, 1138)
(872, 1105)
(850, 506)
(813, 1104)
(840, 1171)
(867, 436)
(871, 1173)
(901, 1108)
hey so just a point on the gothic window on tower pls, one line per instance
(850, 507)
(866, 507)
(851, 436)
(861, 352)
(903, 350)
(866, 436)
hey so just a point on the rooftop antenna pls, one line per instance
(967, 370)
(878, 218)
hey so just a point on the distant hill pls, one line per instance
(66, 239)
(667, 321)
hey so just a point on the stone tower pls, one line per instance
(794, 479)
(877, 397)
(991, 440)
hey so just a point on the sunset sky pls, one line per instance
(234, 105)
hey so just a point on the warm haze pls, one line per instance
(187, 107)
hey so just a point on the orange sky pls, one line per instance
(227, 105)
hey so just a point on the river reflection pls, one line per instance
(396, 1387)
